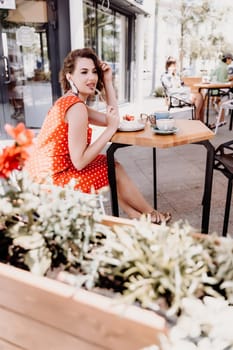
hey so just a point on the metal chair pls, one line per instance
(225, 105)
(176, 101)
(224, 162)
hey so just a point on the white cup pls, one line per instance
(205, 79)
(165, 124)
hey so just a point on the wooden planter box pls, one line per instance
(43, 314)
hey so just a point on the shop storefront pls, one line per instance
(30, 58)
(35, 36)
(115, 29)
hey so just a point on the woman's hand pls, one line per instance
(112, 118)
(107, 72)
(110, 96)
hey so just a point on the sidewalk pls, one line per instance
(180, 172)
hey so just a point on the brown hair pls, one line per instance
(169, 62)
(225, 56)
(69, 67)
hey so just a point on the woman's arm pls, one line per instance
(77, 117)
(166, 82)
(96, 117)
(99, 118)
(110, 93)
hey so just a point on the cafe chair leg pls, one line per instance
(227, 208)
(223, 162)
(225, 105)
(231, 120)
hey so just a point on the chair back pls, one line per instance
(223, 162)
(177, 100)
(165, 95)
(224, 158)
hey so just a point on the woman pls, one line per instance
(64, 150)
(173, 85)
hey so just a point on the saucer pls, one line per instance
(165, 132)
(131, 125)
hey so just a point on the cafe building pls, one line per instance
(35, 36)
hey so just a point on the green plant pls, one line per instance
(165, 264)
(203, 325)
(158, 92)
(158, 267)
(42, 227)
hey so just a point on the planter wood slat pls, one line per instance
(41, 313)
(30, 334)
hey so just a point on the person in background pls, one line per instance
(222, 73)
(173, 84)
(63, 149)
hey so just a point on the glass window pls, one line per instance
(105, 31)
(26, 90)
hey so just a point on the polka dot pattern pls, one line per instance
(51, 158)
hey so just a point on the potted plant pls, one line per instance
(125, 282)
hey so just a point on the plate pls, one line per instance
(131, 126)
(165, 132)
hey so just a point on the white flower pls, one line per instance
(6, 207)
(32, 241)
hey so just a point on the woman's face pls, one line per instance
(85, 77)
(172, 68)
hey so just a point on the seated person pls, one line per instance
(222, 73)
(174, 87)
(64, 150)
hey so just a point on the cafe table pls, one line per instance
(188, 132)
(209, 88)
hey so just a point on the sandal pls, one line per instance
(158, 218)
(221, 124)
(213, 126)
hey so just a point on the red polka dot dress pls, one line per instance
(51, 159)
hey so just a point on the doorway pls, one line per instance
(25, 86)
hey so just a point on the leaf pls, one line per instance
(38, 261)
(29, 242)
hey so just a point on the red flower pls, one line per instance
(22, 136)
(13, 157)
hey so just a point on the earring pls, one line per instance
(97, 92)
(98, 95)
(73, 87)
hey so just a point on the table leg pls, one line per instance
(112, 176)
(155, 178)
(206, 201)
(208, 107)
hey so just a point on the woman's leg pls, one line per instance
(198, 100)
(131, 200)
(222, 116)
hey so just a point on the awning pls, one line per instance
(28, 12)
